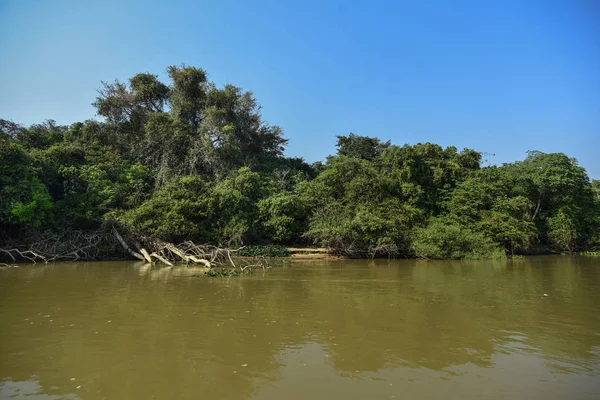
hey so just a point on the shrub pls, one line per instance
(264, 251)
(283, 216)
(447, 240)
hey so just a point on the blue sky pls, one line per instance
(502, 77)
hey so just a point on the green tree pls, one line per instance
(562, 195)
(188, 94)
(596, 187)
(363, 147)
(185, 159)
(177, 211)
(23, 198)
(284, 216)
(443, 239)
(487, 203)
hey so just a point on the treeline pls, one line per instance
(187, 160)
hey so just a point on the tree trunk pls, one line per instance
(537, 209)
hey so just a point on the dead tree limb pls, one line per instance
(161, 259)
(126, 246)
(146, 255)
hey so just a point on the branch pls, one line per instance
(126, 246)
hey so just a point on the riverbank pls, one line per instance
(309, 253)
(109, 243)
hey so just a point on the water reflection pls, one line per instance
(340, 329)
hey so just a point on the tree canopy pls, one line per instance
(185, 159)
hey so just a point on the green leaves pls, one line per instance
(264, 251)
(175, 212)
(186, 159)
(443, 239)
(362, 147)
(562, 229)
(283, 216)
(23, 198)
(36, 209)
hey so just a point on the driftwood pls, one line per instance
(187, 252)
(353, 249)
(126, 246)
(161, 259)
(146, 255)
(27, 254)
(109, 242)
(66, 246)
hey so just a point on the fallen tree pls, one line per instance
(110, 241)
(48, 246)
(188, 252)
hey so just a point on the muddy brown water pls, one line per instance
(315, 330)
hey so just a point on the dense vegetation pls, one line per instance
(188, 160)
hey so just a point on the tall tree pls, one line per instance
(364, 147)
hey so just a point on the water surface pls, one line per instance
(320, 330)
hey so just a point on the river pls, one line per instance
(402, 329)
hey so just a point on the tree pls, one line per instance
(444, 239)
(177, 211)
(186, 159)
(148, 92)
(189, 89)
(485, 201)
(363, 147)
(431, 170)
(563, 196)
(596, 187)
(9, 130)
(23, 198)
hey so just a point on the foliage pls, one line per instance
(447, 240)
(363, 147)
(486, 202)
(23, 198)
(596, 187)
(562, 232)
(225, 272)
(175, 212)
(283, 216)
(187, 160)
(590, 253)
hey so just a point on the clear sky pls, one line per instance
(502, 77)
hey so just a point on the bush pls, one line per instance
(371, 230)
(23, 198)
(562, 232)
(264, 251)
(446, 240)
(174, 212)
(283, 216)
(590, 253)
(225, 272)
